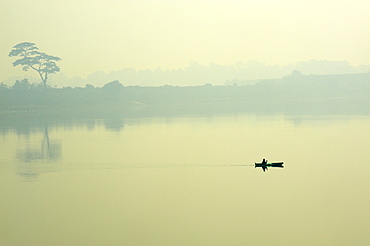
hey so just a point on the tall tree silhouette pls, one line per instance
(32, 58)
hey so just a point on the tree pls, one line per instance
(22, 85)
(3, 86)
(113, 90)
(113, 86)
(42, 63)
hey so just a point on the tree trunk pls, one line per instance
(44, 80)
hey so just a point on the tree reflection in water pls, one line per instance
(34, 160)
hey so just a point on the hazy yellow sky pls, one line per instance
(93, 35)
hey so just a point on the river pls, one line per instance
(186, 180)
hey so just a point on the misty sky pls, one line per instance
(106, 35)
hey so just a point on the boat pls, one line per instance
(264, 164)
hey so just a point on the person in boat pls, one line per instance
(264, 161)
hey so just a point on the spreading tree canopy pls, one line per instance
(32, 58)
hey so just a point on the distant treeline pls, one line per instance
(292, 94)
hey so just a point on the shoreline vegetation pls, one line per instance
(346, 94)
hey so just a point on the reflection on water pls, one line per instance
(114, 124)
(185, 181)
(48, 150)
(34, 153)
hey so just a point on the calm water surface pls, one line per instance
(186, 181)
